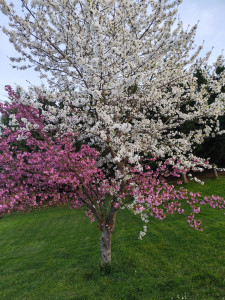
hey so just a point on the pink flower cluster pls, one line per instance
(154, 195)
(11, 92)
(50, 171)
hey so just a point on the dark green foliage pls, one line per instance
(213, 147)
(132, 89)
(200, 79)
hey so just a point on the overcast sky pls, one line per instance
(211, 29)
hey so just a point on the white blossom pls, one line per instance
(121, 73)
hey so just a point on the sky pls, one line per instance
(211, 30)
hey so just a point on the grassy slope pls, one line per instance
(54, 254)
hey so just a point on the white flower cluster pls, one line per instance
(197, 180)
(119, 72)
(143, 233)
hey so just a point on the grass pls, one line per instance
(53, 253)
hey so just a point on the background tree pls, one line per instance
(124, 73)
(213, 146)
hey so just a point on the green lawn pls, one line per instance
(54, 254)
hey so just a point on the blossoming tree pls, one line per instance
(121, 73)
(50, 171)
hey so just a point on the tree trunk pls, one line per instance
(184, 178)
(105, 244)
(215, 174)
(106, 237)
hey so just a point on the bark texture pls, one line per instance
(105, 244)
(106, 237)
